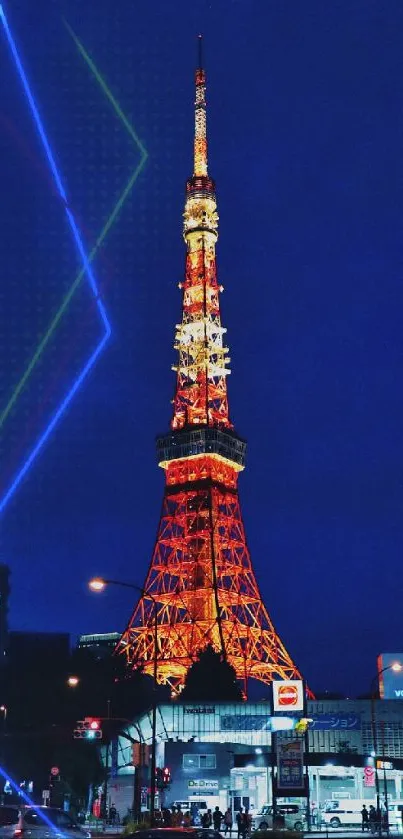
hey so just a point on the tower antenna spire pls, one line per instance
(200, 141)
(200, 51)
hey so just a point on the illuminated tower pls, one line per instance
(200, 580)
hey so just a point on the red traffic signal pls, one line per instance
(88, 729)
(166, 776)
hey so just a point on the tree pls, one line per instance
(345, 748)
(211, 679)
(43, 712)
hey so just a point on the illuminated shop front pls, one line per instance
(222, 753)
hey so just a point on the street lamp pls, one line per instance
(396, 667)
(98, 584)
(3, 709)
(73, 681)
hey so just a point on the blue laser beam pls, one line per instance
(39, 810)
(55, 419)
(85, 261)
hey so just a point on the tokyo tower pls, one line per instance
(200, 583)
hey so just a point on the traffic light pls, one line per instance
(88, 729)
(162, 777)
(166, 777)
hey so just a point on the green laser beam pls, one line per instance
(65, 303)
(106, 89)
(105, 230)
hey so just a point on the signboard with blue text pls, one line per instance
(261, 722)
(335, 722)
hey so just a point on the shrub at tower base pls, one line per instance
(211, 678)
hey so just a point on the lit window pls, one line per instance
(191, 761)
(199, 761)
(207, 762)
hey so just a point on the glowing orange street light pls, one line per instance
(73, 681)
(97, 584)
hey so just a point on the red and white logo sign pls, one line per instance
(288, 696)
(369, 776)
(55, 771)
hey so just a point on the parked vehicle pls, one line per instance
(345, 815)
(191, 804)
(345, 811)
(294, 817)
(395, 814)
(37, 822)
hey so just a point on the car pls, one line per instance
(294, 817)
(37, 823)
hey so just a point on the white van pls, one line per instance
(346, 811)
(395, 809)
(294, 817)
(191, 803)
(342, 815)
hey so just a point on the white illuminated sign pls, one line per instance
(288, 695)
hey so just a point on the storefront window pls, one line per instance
(199, 761)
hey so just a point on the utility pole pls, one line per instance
(154, 721)
(273, 738)
(98, 584)
(108, 743)
(306, 760)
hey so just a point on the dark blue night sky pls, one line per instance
(305, 123)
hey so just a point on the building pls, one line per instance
(100, 645)
(222, 752)
(4, 596)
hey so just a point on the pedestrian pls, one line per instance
(239, 820)
(246, 824)
(167, 817)
(372, 818)
(207, 819)
(217, 819)
(176, 817)
(187, 820)
(364, 818)
(228, 821)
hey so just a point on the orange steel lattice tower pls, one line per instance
(200, 578)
